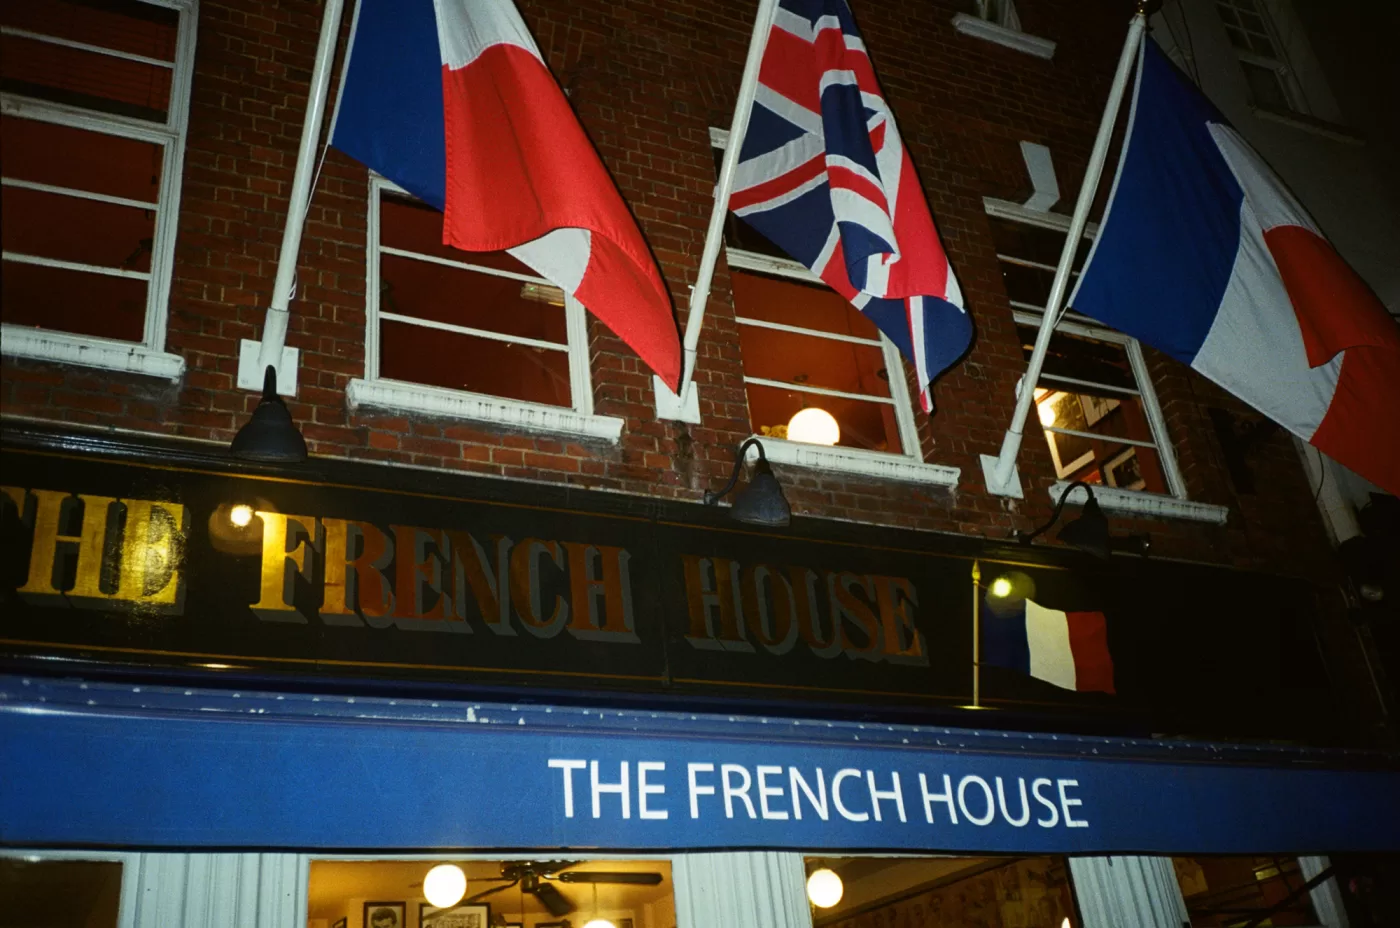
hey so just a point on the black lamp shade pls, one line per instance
(1089, 532)
(270, 436)
(762, 501)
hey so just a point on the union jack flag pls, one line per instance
(823, 175)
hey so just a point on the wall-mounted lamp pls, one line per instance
(1089, 532)
(762, 501)
(270, 435)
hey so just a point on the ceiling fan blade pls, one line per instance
(553, 900)
(600, 876)
(490, 892)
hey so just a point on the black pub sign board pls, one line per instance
(120, 554)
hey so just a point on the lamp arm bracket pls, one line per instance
(711, 496)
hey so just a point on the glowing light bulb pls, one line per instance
(1046, 413)
(445, 885)
(815, 426)
(241, 515)
(600, 923)
(1001, 587)
(1065, 923)
(824, 888)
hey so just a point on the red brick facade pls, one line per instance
(648, 78)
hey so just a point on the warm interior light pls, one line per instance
(600, 923)
(445, 885)
(815, 426)
(1046, 411)
(241, 515)
(824, 888)
(1001, 587)
(1065, 923)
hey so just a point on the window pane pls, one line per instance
(867, 425)
(60, 892)
(1226, 891)
(481, 365)
(1084, 359)
(791, 302)
(67, 157)
(123, 25)
(1100, 460)
(935, 892)
(1033, 243)
(813, 361)
(1266, 86)
(51, 225)
(417, 227)
(74, 301)
(82, 78)
(468, 298)
(529, 894)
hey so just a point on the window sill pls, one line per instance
(107, 354)
(456, 404)
(1308, 124)
(979, 28)
(855, 461)
(1141, 503)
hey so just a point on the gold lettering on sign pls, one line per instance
(613, 587)
(140, 569)
(904, 643)
(776, 630)
(281, 566)
(355, 584)
(710, 603)
(471, 571)
(525, 592)
(420, 561)
(863, 616)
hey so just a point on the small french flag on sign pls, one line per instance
(1066, 649)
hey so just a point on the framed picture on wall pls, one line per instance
(1124, 471)
(1096, 407)
(476, 915)
(385, 914)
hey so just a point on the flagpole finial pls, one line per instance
(1148, 7)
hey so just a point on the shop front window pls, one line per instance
(991, 892)
(41, 891)
(1222, 892)
(499, 894)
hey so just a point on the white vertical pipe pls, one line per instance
(714, 237)
(1011, 443)
(274, 334)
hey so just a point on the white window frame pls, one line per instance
(130, 895)
(149, 355)
(1002, 27)
(375, 391)
(907, 464)
(1288, 81)
(1174, 504)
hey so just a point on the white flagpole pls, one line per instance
(274, 333)
(714, 237)
(1000, 471)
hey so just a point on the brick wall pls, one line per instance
(648, 78)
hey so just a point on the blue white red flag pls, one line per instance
(823, 175)
(1206, 255)
(1066, 649)
(450, 100)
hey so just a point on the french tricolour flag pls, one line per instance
(1205, 255)
(823, 175)
(1067, 649)
(450, 100)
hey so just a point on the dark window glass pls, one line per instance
(59, 893)
(1266, 87)
(72, 301)
(989, 892)
(481, 365)
(1222, 892)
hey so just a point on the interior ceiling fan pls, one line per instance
(537, 878)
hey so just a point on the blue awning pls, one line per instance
(106, 764)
